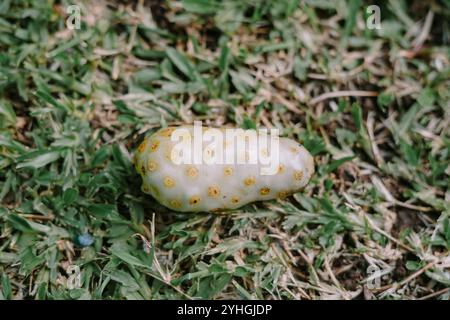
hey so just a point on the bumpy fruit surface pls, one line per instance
(214, 187)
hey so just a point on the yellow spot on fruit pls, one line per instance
(264, 191)
(142, 146)
(298, 175)
(249, 180)
(228, 171)
(213, 191)
(175, 203)
(137, 166)
(280, 168)
(168, 154)
(154, 146)
(145, 188)
(194, 200)
(169, 182)
(294, 150)
(235, 200)
(209, 151)
(155, 191)
(282, 194)
(192, 172)
(264, 152)
(208, 154)
(167, 132)
(152, 166)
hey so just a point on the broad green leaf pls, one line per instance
(40, 160)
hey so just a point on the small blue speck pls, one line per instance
(85, 239)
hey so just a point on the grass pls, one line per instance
(371, 105)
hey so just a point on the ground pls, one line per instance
(371, 104)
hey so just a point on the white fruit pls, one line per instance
(215, 187)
